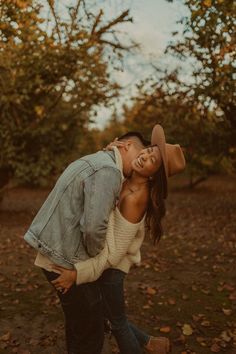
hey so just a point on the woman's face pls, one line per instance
(147, 162)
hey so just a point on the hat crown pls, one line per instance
(172, 155)
(175, 159)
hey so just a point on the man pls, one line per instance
(71, 226)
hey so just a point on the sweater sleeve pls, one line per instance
(91, 269)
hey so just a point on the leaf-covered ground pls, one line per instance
(185, 288)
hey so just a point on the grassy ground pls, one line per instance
(185, 288)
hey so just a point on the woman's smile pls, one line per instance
(139, 162)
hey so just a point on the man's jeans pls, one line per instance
(129, 338)
(84, 324)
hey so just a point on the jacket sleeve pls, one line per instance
(100, 193)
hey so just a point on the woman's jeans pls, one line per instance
(129, 338)
(83, 311)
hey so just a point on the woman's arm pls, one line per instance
(84, 272)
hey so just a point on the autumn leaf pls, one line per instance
(224, 335)
(171, 301)
(205, 323)
(146, 307)
(232, 296)
(21, 4)
(215, 348)
(201, 340)
(227, 312)
(207, 3)
(5, 337)
(187, 330)
(39, 110)
(151, 291)
(165, 329)
(185, 297)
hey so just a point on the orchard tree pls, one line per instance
(196, 101)
(208, 38)
(208, 41)
(53, 74)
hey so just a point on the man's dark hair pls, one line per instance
(137, 135)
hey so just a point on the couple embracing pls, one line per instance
(89, 231)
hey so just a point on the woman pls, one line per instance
(141, 201)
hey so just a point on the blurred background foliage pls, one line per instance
(52, 81)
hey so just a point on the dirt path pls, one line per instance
(185, 288)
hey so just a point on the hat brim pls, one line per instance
(158, 139)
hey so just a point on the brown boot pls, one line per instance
(158, 345)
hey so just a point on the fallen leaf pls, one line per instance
(205, 323)
(228, 287)
(232, 296)
(145, 307)
(187, 329)
(180, 340)
(150, 291)
(224, 335)
(205, 291)
(185, 297)
(215, 348)
(5, 337)
(227, 312)
(165, 329)
(172, 301)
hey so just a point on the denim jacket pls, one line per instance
(71, 224)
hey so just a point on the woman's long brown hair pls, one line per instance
(156, 207)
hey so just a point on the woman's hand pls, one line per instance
(116, 143)
(65, 280)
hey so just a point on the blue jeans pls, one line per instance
(83, 312)
(129, 338)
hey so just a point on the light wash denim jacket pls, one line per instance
(71, 224)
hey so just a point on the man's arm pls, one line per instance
(100, 192)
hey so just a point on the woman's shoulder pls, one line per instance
(134, 206)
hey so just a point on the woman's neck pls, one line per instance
(136, 179)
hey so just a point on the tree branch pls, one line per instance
(98, 18)
(74, 15)
(119, 19)
(50, 3)
(117, 45)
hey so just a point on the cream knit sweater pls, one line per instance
(121, 250)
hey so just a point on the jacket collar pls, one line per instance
(119, 162)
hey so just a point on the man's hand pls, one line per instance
(66, 279)
(116, 143)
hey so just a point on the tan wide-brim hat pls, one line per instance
(171, 154)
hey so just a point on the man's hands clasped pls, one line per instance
(65, 280)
